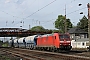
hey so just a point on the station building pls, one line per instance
(79, 38)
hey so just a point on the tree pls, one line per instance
(37, 28)
(40, 29)
(83, 24)
(60, 23)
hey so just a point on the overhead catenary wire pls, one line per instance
(69, 13)
(34, 12)
(27, 8)
(11, 15)
(41, 9)
(66, 14)
(14, 15)
(38, 11)
(49, 4)
(76, 10)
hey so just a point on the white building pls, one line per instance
(79, 38)
(80, 43)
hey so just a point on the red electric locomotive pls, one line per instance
(54, 42)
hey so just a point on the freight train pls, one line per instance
(51, 42)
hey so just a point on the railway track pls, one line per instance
(86, 54)
(26, 54)
(78, 53)
(21, 54)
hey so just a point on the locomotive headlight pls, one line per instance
(60, 44)
(68, 44)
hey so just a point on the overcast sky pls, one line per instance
(16, 13)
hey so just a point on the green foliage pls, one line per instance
(60, 23)
(40, 29)
(5, 44)
(37, 28)
(1, 42)
(83, 24)
(4, 57)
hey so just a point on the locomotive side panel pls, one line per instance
(41, 41)
(45, 41)
(50, 41)
(56, 40)
(38, 41)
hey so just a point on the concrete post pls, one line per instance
(65, 20)
(88, 6)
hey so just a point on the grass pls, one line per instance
(4, 58)
(5, 45)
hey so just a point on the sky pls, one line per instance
(30, 13)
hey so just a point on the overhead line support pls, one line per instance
(88, 6)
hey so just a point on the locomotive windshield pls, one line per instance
(64, 36)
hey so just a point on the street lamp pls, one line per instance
(79, 4)
(81, 12)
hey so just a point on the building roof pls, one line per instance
(12, 29)
(76, 30)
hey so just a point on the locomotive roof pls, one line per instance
(51, 34)
(47, 35)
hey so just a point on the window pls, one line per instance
(87, 44)
(83, 44)
(64, 36)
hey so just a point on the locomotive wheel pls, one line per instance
(51, 49)
(58, 50)
(41, 48)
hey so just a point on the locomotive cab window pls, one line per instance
(64, 36)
